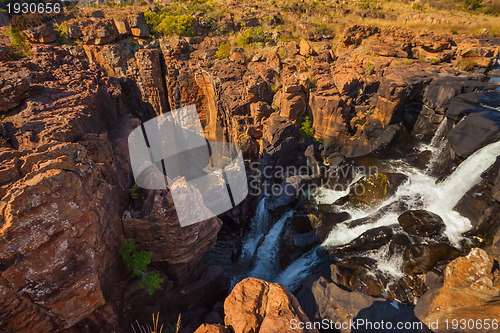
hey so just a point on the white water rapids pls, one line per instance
(439, 198)
(419, 191)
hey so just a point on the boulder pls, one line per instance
(15, 87)
(139, 26)
(4, 19)
(370, 190)
(305, 48)
(329, 301)
(470, 291)
(258, 306)
(279, 140)
(182, 248)
(329, 124)
(478, 127)
(421, 258)
(354, 34)
(368, 240)
(273, 61)
(43, 34)
(211, 328)
(346, 80)
(123, 27)
(238, 55)
(100, 33)
(74, 31)
(260, 111)
(421, 222)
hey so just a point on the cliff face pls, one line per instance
(62, 190)
(64, 166)
(64, 178)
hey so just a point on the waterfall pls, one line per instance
(437, 144)
(259, 225)
(420, 188)
(298, 270)
(439, 134)
(467, 174)
(327, 196)
(266, 259)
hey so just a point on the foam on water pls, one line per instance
(298, 270)
(260, 223)
(326, 196)
(419, 191)
(267, 255)
(390, 264)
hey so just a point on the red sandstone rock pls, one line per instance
(258, 306)
(470, 291)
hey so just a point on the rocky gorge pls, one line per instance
(409, 116)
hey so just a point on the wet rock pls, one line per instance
(258, 306)
(421, 222)
(421, 258)
(369, 240)
(329, 301)
(470, 291)
(481, 206)
(327, 220)
(290, 189)
(480, 127)
(370, 190)
(299, 236)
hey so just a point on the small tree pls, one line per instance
(137, 264)
(306, 129)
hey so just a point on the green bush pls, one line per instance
(417, 6)
(255, 36)
(133, 191)
(306, 130)
(176, 25)
(18, 42)
(369, 68)
(168, 25)
(223, 51)
(137, 264)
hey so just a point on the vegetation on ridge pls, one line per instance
(137, 264)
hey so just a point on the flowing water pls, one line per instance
(439, 198)
(421, 190)
(260, 223)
